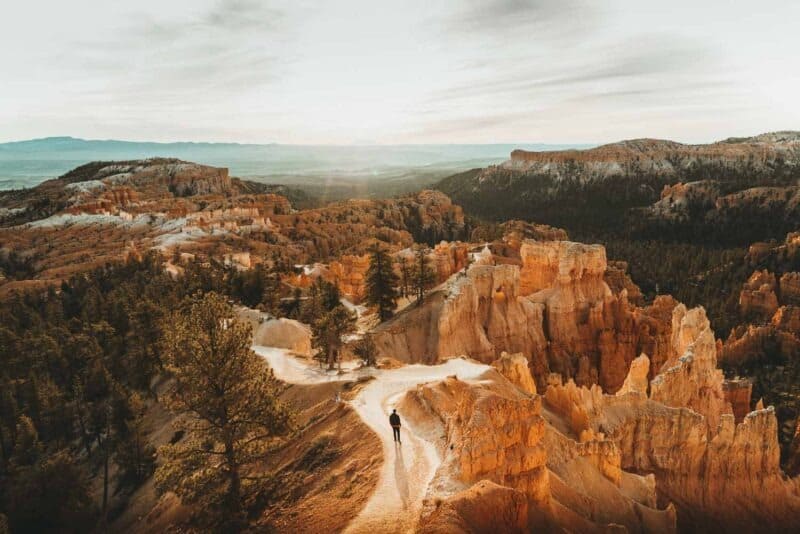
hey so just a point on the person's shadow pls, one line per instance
(400, 475)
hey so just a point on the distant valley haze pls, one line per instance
(26, 163)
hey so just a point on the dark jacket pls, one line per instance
(394, 420)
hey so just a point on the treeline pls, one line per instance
(76, 367)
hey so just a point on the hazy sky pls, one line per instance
(408, 71)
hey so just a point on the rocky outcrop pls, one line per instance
(789, 285)
(617, 278)
(284, 333)
(678, 201)
(490, 435)
(480, 315)
(349, 274)
(515, 368)
(758, 298)
(692, 380)
(531, 476)
(637, 379)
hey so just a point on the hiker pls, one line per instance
(394, 420)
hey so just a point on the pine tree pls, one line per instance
(328, 331)
(406, 273)
(366, 350)
(231, 398)
(381, 283)
(424, 275)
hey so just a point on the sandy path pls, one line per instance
(408, 468)
(293, 370)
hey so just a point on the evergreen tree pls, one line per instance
(424, 276)
(381, 283)
(231, 398)
(328, 331)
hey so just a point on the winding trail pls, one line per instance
(407, 469)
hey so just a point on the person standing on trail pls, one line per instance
(394, 420)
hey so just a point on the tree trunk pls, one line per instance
(234, 482)
(330, 359)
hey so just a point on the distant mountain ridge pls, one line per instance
(592, 191)
(663, 156)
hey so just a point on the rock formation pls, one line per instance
(527, 475)
(686, 435)
(556, 309)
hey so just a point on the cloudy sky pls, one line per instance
(409, 71)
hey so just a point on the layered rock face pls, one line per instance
(556, 309)
(494, 436)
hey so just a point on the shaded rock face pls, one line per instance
(556, 309)
(479, 314)
(738, 393)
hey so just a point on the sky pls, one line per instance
(411, 71)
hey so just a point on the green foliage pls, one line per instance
(231, 398)
(381, 283)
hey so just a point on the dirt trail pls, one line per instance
(408, 468)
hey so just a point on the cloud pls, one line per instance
(644, 60)
(219, 52)
(543, 20)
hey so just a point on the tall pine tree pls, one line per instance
(231, 399)
(381, 282)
